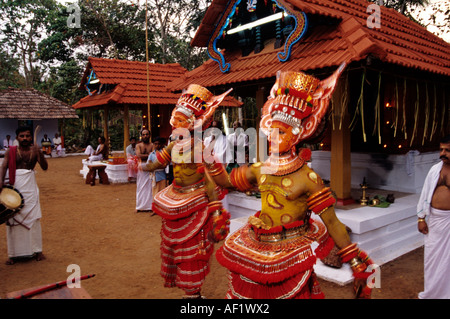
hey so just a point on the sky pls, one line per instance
(425, 14)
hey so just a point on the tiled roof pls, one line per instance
(130, 78)
(399, 41)
(30, 104)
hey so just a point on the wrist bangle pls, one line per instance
(421, 220)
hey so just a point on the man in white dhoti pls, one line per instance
(132, 160)
(239, 142)
(220, 147)
(23, 230)
(100, 153)
(434, 222)
(218, 143)
(144, 198)
(57, 142)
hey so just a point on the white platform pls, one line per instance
(384, 233)
(117, 173)
(403, 172)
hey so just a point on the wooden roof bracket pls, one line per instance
(301, 24)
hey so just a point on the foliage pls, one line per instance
(9, 71)
(432, 14)
(22, 30)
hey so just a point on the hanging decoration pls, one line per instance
(395, 124)
(416, 115)
(434, 122)
(360, 108)
(404, 110)
(377, 109)
(443, 113)
(427, 113)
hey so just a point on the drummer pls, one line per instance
(23, 230)
(46, 144)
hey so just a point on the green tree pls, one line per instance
(173, 23)
(22, 30)
(9, 71)
(109, 28)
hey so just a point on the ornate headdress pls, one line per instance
(300, 101)
(198, 103)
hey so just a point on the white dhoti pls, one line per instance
(23, 231)
(437, 256)
(144, 198)
(90, 151)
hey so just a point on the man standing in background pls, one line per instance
(434, 204)
(144, 198)
(23, 230)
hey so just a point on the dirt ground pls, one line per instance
(97, 228)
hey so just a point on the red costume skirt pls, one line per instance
(185, 249)
(275, 263)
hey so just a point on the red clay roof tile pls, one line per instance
(130, 78)
(399, 41)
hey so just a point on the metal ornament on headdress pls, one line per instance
(300, 101)
(198, 104)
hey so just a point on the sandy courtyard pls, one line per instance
(96, 228)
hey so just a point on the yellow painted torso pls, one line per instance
(284, 197)
(185, 170)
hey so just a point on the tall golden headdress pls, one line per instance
(299, 100)
(198, 104)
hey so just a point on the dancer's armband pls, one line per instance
(321, 201)
(220, 221)
(239, 180)
(163, 157)
(215, 169)
(359, 262)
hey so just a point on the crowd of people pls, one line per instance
(48, 145)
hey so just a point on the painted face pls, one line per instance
(180, 120)
(283, 141)
(185, 174)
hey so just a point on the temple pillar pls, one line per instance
(126, 129)
(105, 125)
(340, 166)
(260, 99)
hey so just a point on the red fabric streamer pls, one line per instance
(12, 165)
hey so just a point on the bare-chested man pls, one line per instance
(434, 205)
(23, 231)
(144, 198)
